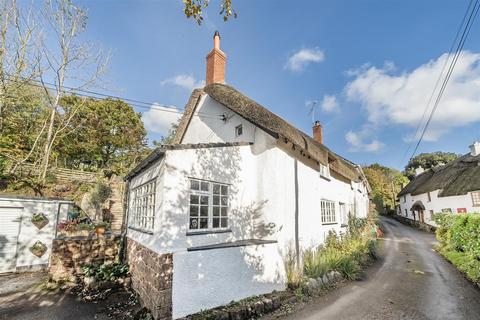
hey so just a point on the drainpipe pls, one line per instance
(297, 243)
(123, 235)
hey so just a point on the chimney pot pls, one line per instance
(475, 149)
(419, 170)
(216, 61)
(318, 132)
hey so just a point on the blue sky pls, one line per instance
(370, 64)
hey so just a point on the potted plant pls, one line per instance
(39, 220)
(74, 228)
(83, 229)
(101, 227)
(38, 249)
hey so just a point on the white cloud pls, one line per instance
(160, 119)
(389, 97)
(185, 81)
(301, 59)
(329, 103)
(357, 141)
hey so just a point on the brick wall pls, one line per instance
(152, 276)
(70, 254)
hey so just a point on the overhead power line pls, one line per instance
(450, 51)
(463, 39)
(466, 26)
(133, 102)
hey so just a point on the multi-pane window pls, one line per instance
(447, 210)
(208, 205)
(143, 206)
(328, 211)
(476, 198)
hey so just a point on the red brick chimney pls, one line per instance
(216, 61)
(317, 132)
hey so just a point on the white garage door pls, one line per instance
(9, 230)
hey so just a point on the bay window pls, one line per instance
(143, 206)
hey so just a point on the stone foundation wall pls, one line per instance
(415, 224)
(152, 276)
(70, 254)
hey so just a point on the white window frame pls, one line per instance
(342, 210)
(216, 205)
(328, 212)
(142, 214)
(325, 171)
(237, 128)
(475, 198)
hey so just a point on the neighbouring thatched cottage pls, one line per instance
(451, 188)
(211, 217)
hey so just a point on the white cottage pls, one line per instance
(451, 188)
(211, 216)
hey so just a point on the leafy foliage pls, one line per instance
(460, 242)
(428, 161)
(106, 272)
(345, 253)
(194, 9)
(108, 135)
(100, 194)
(386, 183)
(168, 139)
(37, 217)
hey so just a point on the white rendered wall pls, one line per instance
(206, 125)
(261, 206)
(29, 233)
(436, 204)
(207, 279)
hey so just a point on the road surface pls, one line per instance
(410, 281)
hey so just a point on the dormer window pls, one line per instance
(238, 130)
(324, 171)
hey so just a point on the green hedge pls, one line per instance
(459, 237)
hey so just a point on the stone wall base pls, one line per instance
(70, 254)
(152, 276)
(414, 223)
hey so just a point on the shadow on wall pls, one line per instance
(246, 221)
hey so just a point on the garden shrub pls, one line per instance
(459, 237)
(106, 271)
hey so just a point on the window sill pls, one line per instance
(343, 225)
(141, 230)
(234, 244)
(325, 178)
(199, 233)
(329, 223)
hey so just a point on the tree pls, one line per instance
(386, 183)
(428, 161)
(71, 59)
(18, 54)
(106, 134)
(194, 9)
(168, 139)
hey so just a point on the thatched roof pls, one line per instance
(458, 177)
(270, 123)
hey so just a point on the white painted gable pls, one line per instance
(207, 125)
